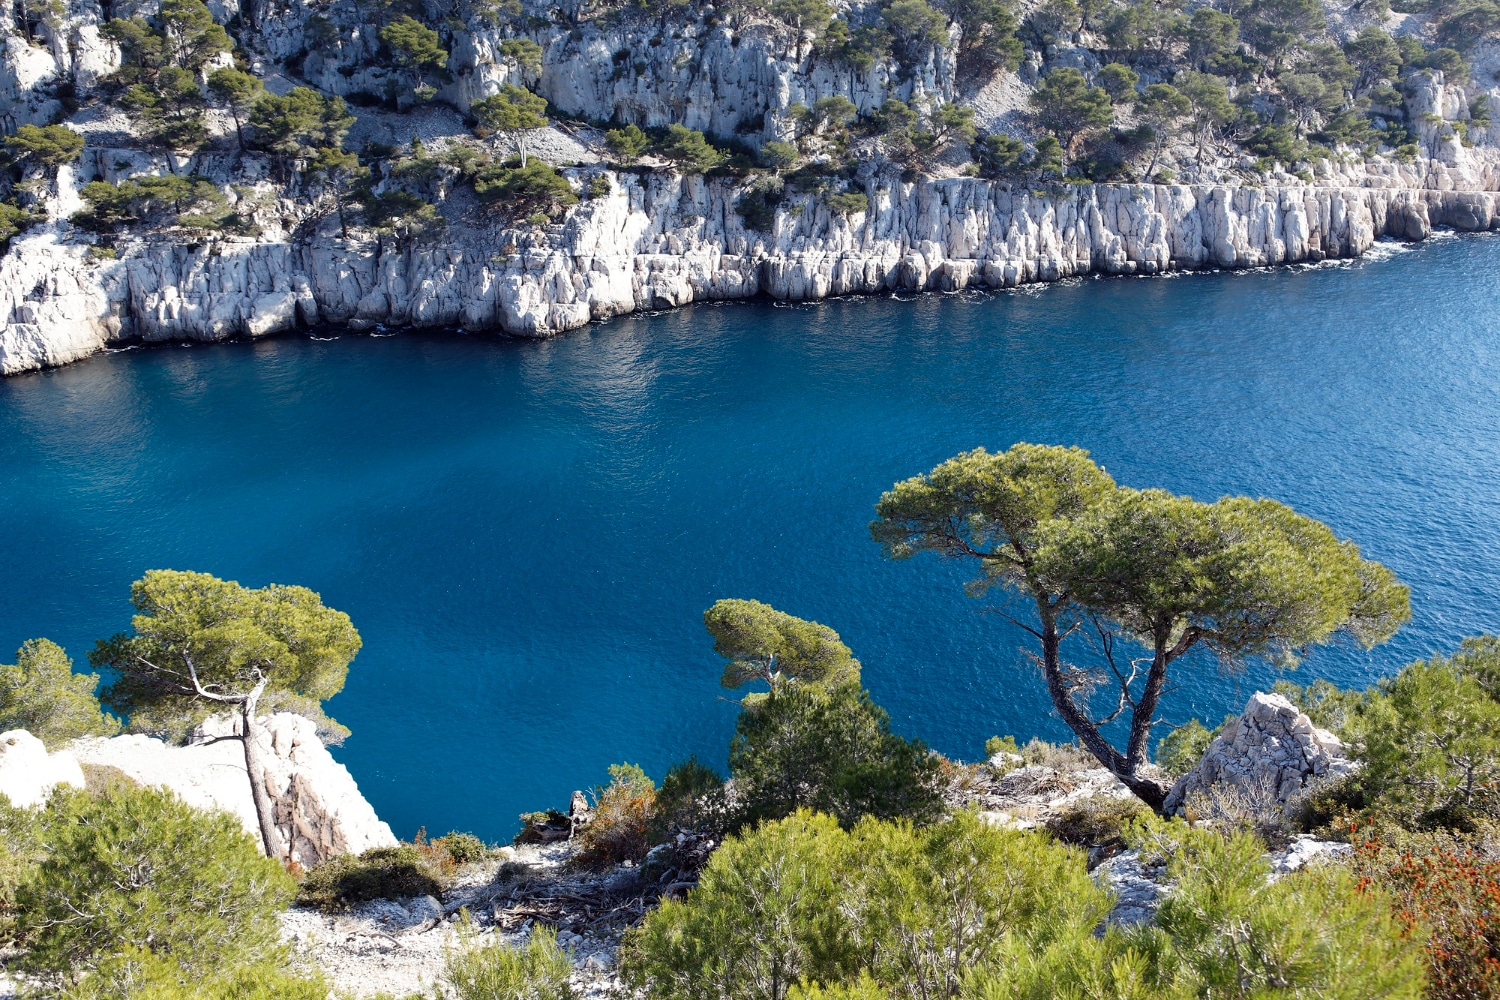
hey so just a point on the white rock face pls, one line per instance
(319, 808)
(28, 773)
(664, 240)
(1271, 745)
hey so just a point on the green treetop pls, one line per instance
(1068, 107)
(41, 694)
(1241, 578)
(513, 112)
(193, 38)
(201, 644)
(416, 47)
(989, 32)
(761, 643)
(49, 145)
(236, 92)
(690, 150)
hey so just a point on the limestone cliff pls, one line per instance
(652, 237)
(660, 240)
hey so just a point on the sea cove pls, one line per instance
(526, 534)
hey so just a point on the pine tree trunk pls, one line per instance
(265, 810)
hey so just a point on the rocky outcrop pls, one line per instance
(319, 809)
(1272, 748)
(661, 239)
(28, 773)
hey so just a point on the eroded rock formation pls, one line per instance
(1272, 748)
(663, 240)
(319, 809)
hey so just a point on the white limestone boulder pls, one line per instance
(28, 773)
(1272, 747)
(319, 808)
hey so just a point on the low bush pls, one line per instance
(832, 750)
(1429, 740)
(520, 192)
(997, 744)
(1447, 894)
(462, 848)
(1244, 808)
(1181, 749)
(1225, 930)
(624, 818)
(692, 797)
(848, 203)
(493, 970)
(886, 905)
(379, 873)
(140, 869)
(21, 851)
(1097, 821)
(137, 974)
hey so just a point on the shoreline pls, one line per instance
(976, 286)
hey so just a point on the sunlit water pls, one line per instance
(526, 534)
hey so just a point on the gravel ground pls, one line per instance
(398, 946)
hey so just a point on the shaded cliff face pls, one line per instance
(663, 240)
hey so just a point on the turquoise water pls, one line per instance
(527, 534)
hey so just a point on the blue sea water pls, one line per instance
(526, 534)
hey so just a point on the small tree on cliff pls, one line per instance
(514, 112)
(1123, 571)
(202, 644)
(760, 643)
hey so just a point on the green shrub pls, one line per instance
(692, 797)
(521, 192)
(1181, 749)
(832, 750)
(848, 203)
(778, 155)
(1432, 740)
(138, 868)
(628, 143)
(999, 744)
(14, 220)
(462, 848)
(21, 852)
(141, 975)
(379, 873)
(1315, 932)
(49, 145)
(41, 694)
(912, 910)
(690, 150)
(1225, 930)
(1097, 821)
(492, 970)
(1429, 739)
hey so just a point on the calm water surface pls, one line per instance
(527, 534)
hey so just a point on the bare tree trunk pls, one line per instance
(265, 810)
(1122, 766)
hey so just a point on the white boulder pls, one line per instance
(1272, 747)
(28, 773)
(319, 808)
